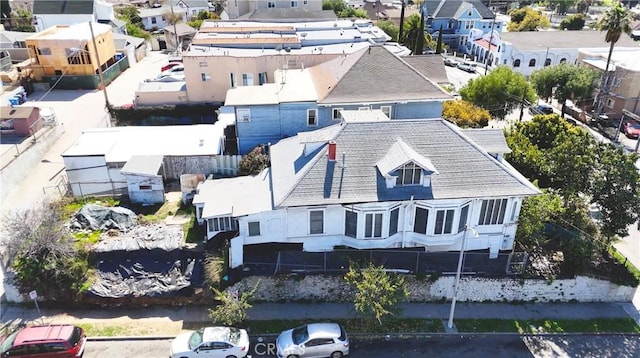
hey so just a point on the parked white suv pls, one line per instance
(467, 66)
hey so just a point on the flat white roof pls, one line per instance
(157, 86)
(199, 50)
(119, 144)
(625, 57)
(235, 197)
(298, 26)
(289, 86)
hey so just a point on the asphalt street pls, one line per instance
(436, 345)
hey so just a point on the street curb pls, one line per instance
(386, 336)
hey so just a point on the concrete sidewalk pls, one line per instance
(198, 315)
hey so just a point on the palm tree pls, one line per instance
(616, 20)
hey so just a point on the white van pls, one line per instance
(467, 66)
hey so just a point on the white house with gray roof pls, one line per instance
(373, 184)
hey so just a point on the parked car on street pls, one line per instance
(173, 71)
(211, 342)
(45, 341)
(631, 128)
(541, 108)
(170, 65)
(451, 61)
(313, 340)
(467, 66)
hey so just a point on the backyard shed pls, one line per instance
(144, 180)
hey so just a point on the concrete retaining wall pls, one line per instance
(334, 289)
(21, 166)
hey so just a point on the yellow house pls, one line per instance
(68, 51)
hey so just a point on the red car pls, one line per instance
(170, 65)
(631, 129)
(46, 341)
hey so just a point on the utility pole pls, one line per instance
(486, 59)
(401, 23)
(102, 84)
(524, 95)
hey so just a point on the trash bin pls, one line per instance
(14, 101)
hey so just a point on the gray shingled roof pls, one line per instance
(289, 15)
(464, 170)
(430, 66)
(449, 8)
(490, 139)
(542, 40)
(62, 7)
(379, 75)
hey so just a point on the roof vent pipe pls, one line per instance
(332, 150)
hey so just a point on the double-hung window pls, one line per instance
(373, 225)
(316, 222)
(312, 117)
(444, 222)
(393, 221)
(420, 220)
(350, 223)
(247, 79)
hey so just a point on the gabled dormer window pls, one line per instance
(409, 174)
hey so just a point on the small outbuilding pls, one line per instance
(21, 121)
(144, 180)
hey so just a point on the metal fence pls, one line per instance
(402, 261)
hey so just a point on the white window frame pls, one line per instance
(234, 83)
(492, 214)
(243, 115)
(271, 5)
(247, 79)
(262, 78)
(249, 227)
(335, 113)
(377, 222)
(413, 167)
(611, 102)
(311, 231)
(447, 213)
(204, 77)
(346, 212)
(397, 209)
(426, 222)
(294, 3)
(314, 117)
(386, 110)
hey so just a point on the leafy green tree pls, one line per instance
(615, 186)
(22, 20)
(202, 16)
(527, 19)
(573, 22)
(389, 28)
(500, 92)
(43, 252)
(134, 24)
(232, 307)
(564, 82)
(343, 10)
(561, 6)
(378, 293)
(536, 211)
(254, 162)
(464, 114)
(351, 12)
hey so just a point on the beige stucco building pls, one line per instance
(229, 54)
(624, 90)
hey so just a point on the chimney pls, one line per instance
(332, 150)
